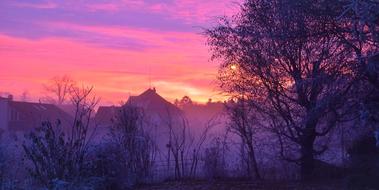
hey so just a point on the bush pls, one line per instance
(214, 163)
(53, 156)
(106, 163)
(364, 164)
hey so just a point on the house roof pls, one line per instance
(27, 115)
(151, 101)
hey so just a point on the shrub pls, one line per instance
(364, 163)
(214, 163)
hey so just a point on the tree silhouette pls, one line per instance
(360, 34)
(243, 123)
(185, 101)
(61, 88)
(287, 60)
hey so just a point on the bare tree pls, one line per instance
(214, 159)
(80, 137)
(288, 60)
(243, 123)
(137, 148)
(198, 145)
(185, 148)
(60, 87)
(359, 31)
(178, 142)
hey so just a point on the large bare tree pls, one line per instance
(286, 57)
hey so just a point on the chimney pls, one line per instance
(4, 111)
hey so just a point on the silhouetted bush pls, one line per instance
(106, 163)
(56, 153)
(5, 182)
(364, 164)
(52, 156)
(214, 162)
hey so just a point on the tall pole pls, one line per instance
(149, 75)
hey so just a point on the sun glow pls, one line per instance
(233, 67)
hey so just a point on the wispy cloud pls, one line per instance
(108, 7)
(117, 45)
(190, 11)
(38, 5)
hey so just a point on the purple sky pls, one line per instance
(113, 45)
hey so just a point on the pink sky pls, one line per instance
(117, 46)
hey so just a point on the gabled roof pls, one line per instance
(27, 115)
(152, 102)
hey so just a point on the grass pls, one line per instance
(243, 185)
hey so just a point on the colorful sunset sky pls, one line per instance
(117, 46)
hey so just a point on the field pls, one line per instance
(243, 185)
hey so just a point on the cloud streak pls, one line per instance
(117, 46)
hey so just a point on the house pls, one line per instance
(154, 106)
(158, 115)
(16, 116)
(150, 100)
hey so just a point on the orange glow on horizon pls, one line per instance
(107, 46)
(35, 62)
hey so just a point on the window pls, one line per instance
(14, 115)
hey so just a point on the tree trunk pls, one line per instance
(177, 166)
(307, 159)
(253, 162)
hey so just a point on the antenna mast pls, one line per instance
(149, 75)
